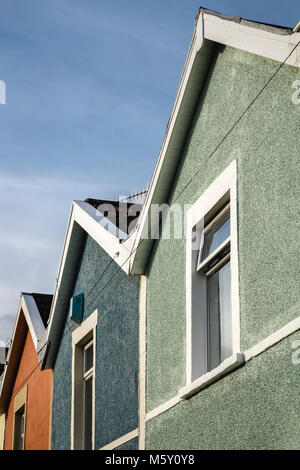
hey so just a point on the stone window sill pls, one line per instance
(227, 366)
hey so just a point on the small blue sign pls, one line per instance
(76, 308)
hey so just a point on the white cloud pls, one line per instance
(34, 216)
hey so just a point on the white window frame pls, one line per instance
(226, 181)
(82, 337)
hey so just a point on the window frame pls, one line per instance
(20, 401)
(218, 193)
(82, 337)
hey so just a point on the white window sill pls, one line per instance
(230, 364)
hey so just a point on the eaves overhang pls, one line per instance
(84, 219)
(28, 318)
(272, 42)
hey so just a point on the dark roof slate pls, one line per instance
(43, 302)
(122, 222)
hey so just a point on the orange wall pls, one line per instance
(39, 395)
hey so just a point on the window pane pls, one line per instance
(88, 358)
(216, 235)
(88, 410)
(219, 313)
(19, 428)
(225, 311)
(22, 423)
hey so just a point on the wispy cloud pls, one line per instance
(34, 214)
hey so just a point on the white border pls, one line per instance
(256, 350)
(121, 440)
(142, 362)
(28, 307)
(81, 331)
(224, 182)
(228, 365)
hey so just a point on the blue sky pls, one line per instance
(90, 86)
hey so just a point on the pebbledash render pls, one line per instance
(222, 321)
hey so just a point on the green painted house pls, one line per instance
(219, 315)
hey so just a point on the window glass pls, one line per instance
(216, 235)
(19, 429)
(88, 358)
(219, 316)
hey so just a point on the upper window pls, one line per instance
(216, 237)
(214, 270)
(212, 279)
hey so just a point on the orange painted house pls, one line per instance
(25, 389)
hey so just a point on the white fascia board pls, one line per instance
(192, 79)
(209, 29)
(92, 222)
(34, 322)
(33, 318)
(252, 39)
(83, 218)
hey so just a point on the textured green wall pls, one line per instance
(265, 144)
(116, 397)
(255, 407)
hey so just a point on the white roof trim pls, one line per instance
(33, 319)
(252, 39)
(28, 306)
(209, 29)
(93, 223)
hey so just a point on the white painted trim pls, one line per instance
(34, 322)
(162, 408)
(274, 338)
(259, 348)
(195, 46)
(251, 39)
(78, 335)
(142, 362)
(230, 364)
(33, 318)
(84, 329)
(212, 29)
(91, 221)
(121, 440)
(225, 182)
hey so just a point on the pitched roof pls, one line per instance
(43, 302)
(125, 213)
(32, 316)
